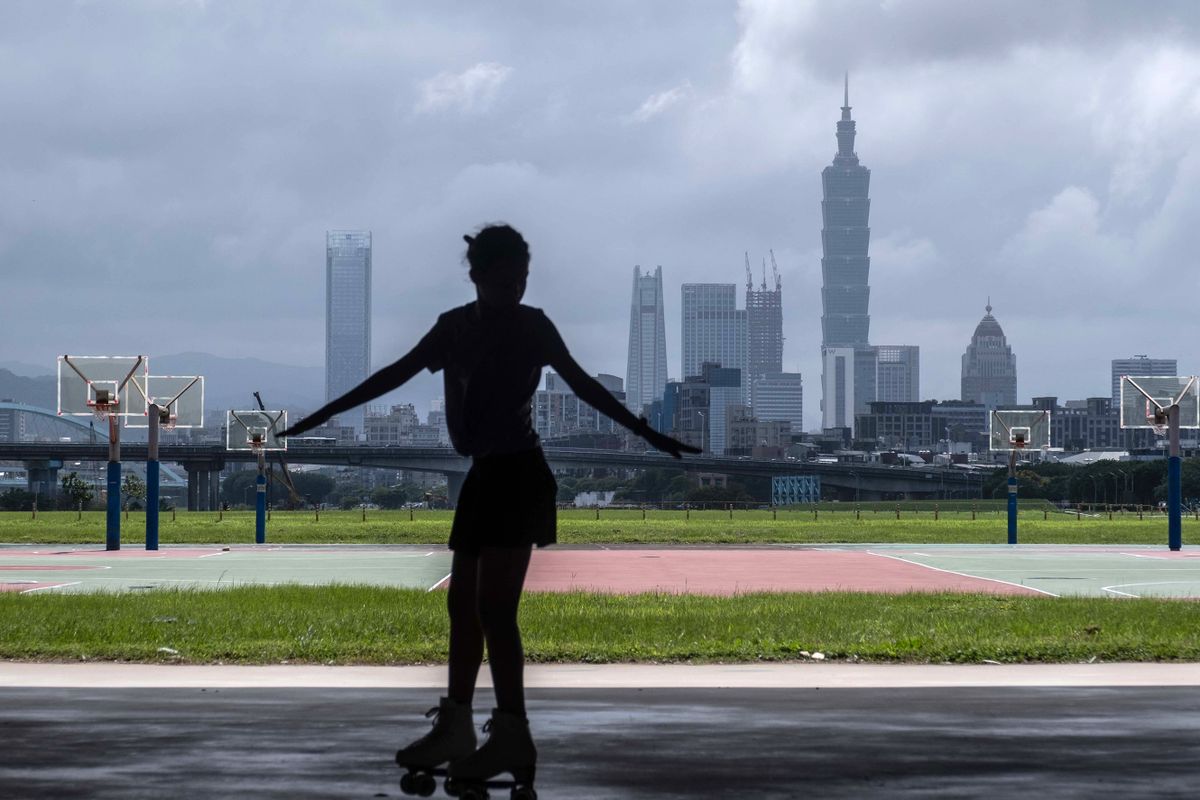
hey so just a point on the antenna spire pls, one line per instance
(846, 100)
(989, 304)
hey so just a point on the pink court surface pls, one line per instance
(1047, 570)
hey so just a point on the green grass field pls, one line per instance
(367, 625)
(832, 523)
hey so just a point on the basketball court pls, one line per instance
(1047, 570)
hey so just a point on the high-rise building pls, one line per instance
(714, 329)
(897, 373)
(347, 316)
(779, 396)
(646, 373)
(1143, 366)
(989, 367)
(725, 390)
(764, 327)
(845, 264)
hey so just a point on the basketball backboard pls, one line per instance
(255, 430)
(1144, 401)
(95, 385)
(180, 396)
(1018, 430)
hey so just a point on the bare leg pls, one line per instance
(501, 579)
(466, 632)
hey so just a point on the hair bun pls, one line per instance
(468, 239)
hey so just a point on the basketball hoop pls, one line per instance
(105, 403)
(1156, 418)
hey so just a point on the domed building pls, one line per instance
(989, 368)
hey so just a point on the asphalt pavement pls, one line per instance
(990, 741)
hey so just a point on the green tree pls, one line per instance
(76, 490)
(16, 500)
(133, 492)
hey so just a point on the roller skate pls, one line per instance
(452, 737)
(510, 749)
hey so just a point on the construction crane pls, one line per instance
(749, 277)
(774, 273)
(295, 497)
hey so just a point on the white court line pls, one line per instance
(1113, 589)
(56, 586)
(961, 574)
(439, 583)
(1158, 557)
(218, 553)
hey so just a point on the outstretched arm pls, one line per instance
(595, 395)
(383, 381)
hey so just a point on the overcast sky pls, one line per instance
(168, 170)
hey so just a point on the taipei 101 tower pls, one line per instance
(847, 359)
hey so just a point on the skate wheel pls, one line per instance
(523, 793)
(452, 787)
(474, 793)
(407, 784)
(426, 785)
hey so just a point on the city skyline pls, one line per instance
(170, 182)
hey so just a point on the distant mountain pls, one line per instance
(230, 383)
(40, 391)
(27, 370)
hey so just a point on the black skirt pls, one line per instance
(506, 501)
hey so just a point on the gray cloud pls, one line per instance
(170, 169)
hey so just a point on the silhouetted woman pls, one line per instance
(491, 352)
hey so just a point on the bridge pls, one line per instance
(204, 462)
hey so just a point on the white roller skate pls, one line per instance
(452, 737)
(509, 748)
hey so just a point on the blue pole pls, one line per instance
(260, 510)
(151, 505)
(1174, 502)
(1012, 509)
(113, 531)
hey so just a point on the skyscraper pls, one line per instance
(1140, 365)
(764, 327)
(646, 372)
(989, 367)
(347, 316)
(845, 323)
(714, 329)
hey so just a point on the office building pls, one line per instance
(558, 412)
(646, 370)
(779, 396)
(347, 316)
(714, 329)
(897, 372)
(1140, 366)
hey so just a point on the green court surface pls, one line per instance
(1093, 570)
(89, 569)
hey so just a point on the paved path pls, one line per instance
(995, 742)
